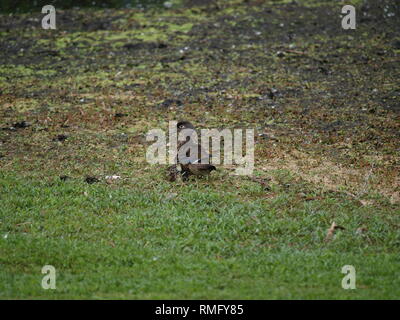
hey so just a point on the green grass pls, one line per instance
(138, 241)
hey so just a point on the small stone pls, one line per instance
(91, 180)
(280, 54)
(168, 4)
(21, 125)
(113, 177)
(61, 138)
(396, 44)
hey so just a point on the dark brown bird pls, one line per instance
(200, 169)
(172, 173)
(189, 142)
(192, 165)
(182, 125)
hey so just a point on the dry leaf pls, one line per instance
(395, 198)
(262, 181)
(331, 231)
(112, 179)
(366, 202)
(361, 230)
(170, 196)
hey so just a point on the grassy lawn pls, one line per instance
(326, 114)
(141, 241)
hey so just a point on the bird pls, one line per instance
(172, 173)
(195, 164)
(200, 169)
(184, 125)
(190, 144)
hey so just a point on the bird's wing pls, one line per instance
(201, 167)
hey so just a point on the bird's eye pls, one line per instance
(181, 126)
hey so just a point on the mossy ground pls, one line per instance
(325, 104)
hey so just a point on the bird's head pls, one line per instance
(181, 125)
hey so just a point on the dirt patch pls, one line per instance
(324, 100)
